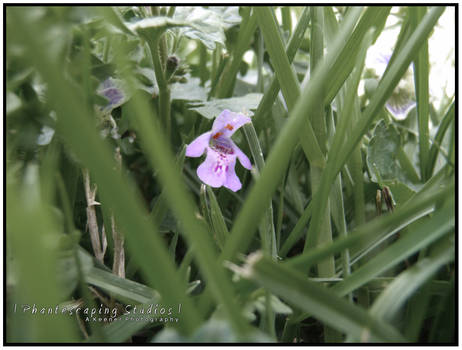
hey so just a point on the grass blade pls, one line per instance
(74, 125)
(395, 295)
(426, 232)
(320, 302)
(421, 72)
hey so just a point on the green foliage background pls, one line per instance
(343, 232)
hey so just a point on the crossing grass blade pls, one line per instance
(424, 234)
(320, 302)
(403, 286)
(378, 227)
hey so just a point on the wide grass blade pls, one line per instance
(421, 73)
(79, 132)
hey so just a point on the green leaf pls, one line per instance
(243, 104)
(155, 25)
(207, 24)
(189, 91)
(382, 154)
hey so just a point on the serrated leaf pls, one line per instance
(207, 25)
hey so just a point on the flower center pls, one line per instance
(221, 165)
(221, 144)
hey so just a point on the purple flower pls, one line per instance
(218, 167)
(111, 89)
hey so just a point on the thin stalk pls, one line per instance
(356, 170)
(164, 89)
(202, 63)
(267, 231)
(118, 266)
(444, 124)
(90, 195)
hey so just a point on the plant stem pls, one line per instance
(118, 266)
(91, 217)
(164, 89)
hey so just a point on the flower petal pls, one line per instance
(213, 170)
(232, 181)
(228, 122)
(242, 157)
(198, 146)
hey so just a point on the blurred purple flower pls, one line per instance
(401, 102)
(111, 90)
(218, 167)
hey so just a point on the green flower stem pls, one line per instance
(267, 231)
(164, 89)
(267, 227)
(202, 63)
